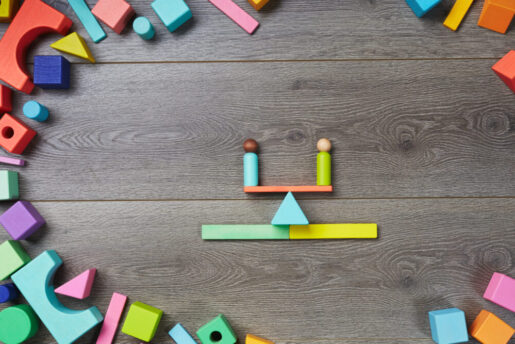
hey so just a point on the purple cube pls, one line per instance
(21, 220)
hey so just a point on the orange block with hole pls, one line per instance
(489, 329)
(497, 15)
(505, 69)
(5, 99)
(33, 19)
(14, 135)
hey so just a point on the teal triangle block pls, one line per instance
(289, 213)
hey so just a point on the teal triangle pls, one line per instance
(289, 213)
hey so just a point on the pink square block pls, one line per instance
(114, 13)
(501, 290)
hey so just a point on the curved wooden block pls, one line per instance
(33, 19)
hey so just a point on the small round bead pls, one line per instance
(143, 27)
(324, 145)
(250, 146)
(35, 111)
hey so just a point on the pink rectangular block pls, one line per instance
(112, 318)
(501, 290)
(12, 161)
(239, 16)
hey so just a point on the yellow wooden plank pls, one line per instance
(334, 231)
(458, 12)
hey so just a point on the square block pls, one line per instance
(258, 4)
(5, 99)
(448, 326)
(14, 135)
(7, 10)
(421, 7)
(13, 257)
(142, 321)
(489, 329)
(505, 69)
(114, 13)
(495, 17)
(173, 13)
(21, 220)
(51, 72)
(8, 185)
(217, 331)
(501, 290)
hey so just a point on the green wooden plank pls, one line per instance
(245, 232)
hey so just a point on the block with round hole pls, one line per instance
(14, 135)
(217, 331)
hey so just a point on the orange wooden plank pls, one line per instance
(293, 188)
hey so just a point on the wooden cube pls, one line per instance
(497, 15)
(142, 321)
(8, 185)
(14, 135)
(52, 72)
(489, 329)
(114, 13)
(505, 69)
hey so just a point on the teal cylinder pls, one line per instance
(250, 169)
(34, 110)
(324, 168)
(144, 28)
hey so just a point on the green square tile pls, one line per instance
(12, 257)
(142, 321)
(8, 185)
(217, 331)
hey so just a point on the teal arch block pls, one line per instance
(290, 213)
(34, 281)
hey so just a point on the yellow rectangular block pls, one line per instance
(251, 339)
(334, 231)
(7, 9)
(458, 12)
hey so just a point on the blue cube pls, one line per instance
(173, 13)
(421, 7)
(51, 72)
(448, 326)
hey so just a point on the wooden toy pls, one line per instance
(180, 335)
(458, 12)
(289, 213)
(142, 321)
(17, 324)
(112, 319)
(21, 220)
(144, 28)
(421, 7)
(8, 292)
(501, 290)
(258, 4)
(52, 72)
(34, 110)
(284, 188)
(489, 329)
(75, 45)
(245, 232)
(324, 162)
(13, 257)
(80, 286)
(497, 15)
(11, 161)
(7, 10)
(251, 339)
(8, 185)
(334, 231)
(33, 19)
(448, 326)
(173, 13)
(34, 282)
(250, 163)
(217, 331)
(5, 99)
(114, 13)
(88, 20)
(505, 69)
(239, 16)
(14, 135)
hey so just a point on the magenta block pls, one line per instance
(21, 220)
(501, 290)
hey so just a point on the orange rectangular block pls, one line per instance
(251, 339)
(293, 188)
(14, 135)
(505, 69)
(5, 99)
(496, 15)
(488, 328)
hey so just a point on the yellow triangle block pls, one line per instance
(74, 44)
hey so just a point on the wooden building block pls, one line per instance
(78, 287)
(6, 104)
(250, 169)
(421, 7)
(501, 290)
(258, 4)
(251, 339)
(88, 20)
(8, 292)
(245, 232)
(112, 319)
(114, 13)
(7, 10)
(75, 45)
(289, 213)
(217, 331)
(448, 326)
(21, 220)
(34, 282)
(9, 189)
(17, 324)
(34, 110)
(505, 69)
(489, 329)
(458, 12)
(14, 135)
(288, 188)
(144, 28)
(11, 161)
(180, 335)
(334, 231)
(496, 15)
(324, 162)
(142, 321)
(173, 13)
(13, 257)
(239, 16)
(33, 19)
(51, 72)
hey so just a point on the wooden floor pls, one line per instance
(146, 147)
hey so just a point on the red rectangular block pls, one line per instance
(14, 135)
(5, 99)
(505, 69)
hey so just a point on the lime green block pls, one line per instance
(17, 324)
(324, 168)
(142, 321)
(12, 257)
(217, 331)
(245, 232)
(8, 185)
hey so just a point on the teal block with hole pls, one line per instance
(217, 331)
(9, 185)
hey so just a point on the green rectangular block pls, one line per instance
(245, 232)
(8, 185)
(12, 257)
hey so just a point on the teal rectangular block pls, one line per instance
(448, 326)
(180, 335)
(9, 188)
(173, 13)
(87, 19)
(245, 232)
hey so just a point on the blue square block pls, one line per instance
(421, 7)
(448, 326)
(51, 72)
(173, 13)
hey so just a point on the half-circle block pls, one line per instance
(35, 283)
(33, 19)
(78, 287)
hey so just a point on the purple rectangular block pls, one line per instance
(12, 161)
(21, 220)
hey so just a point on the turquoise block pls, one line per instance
(34, 282)
(421, 7)
(180, 335)
(173, 13)
(250, 169)
(448, 326)
(290, 213)
(144, 28)
(34, 110)
(217, 331)
(87, 19)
